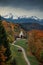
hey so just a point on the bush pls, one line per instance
(41, 56)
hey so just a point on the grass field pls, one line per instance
(17, 55)
(32, 59)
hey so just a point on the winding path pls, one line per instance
(24, 53)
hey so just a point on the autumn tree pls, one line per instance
(36, 44)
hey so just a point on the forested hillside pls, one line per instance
(12, 30)
(4, 45)
(36, 43)
(34, 37)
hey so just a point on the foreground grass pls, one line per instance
(32, 59)
(17, 55)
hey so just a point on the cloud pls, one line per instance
(24, 4)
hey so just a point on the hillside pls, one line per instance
(35, 36)
(36, 43)
(12, 30)
(30, 26)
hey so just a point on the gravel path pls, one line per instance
(24, 53)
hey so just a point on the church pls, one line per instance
(21, 35)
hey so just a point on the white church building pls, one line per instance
(21, 35)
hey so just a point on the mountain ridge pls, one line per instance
(22, 19)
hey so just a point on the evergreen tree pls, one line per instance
(4, 44)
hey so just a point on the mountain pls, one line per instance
(27, 23)
(22, 19)
(31, 26)
(11, 16)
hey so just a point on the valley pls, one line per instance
(21, 32)
(31, 42)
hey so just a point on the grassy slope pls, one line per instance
(31, 58)
(17, 55)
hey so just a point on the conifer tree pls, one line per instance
(4, 45)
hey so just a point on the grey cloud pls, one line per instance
(25, 4)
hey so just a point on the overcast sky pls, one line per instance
(22, 7)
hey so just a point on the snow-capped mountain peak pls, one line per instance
(34, 17)
(11, 16)
(8, 16)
